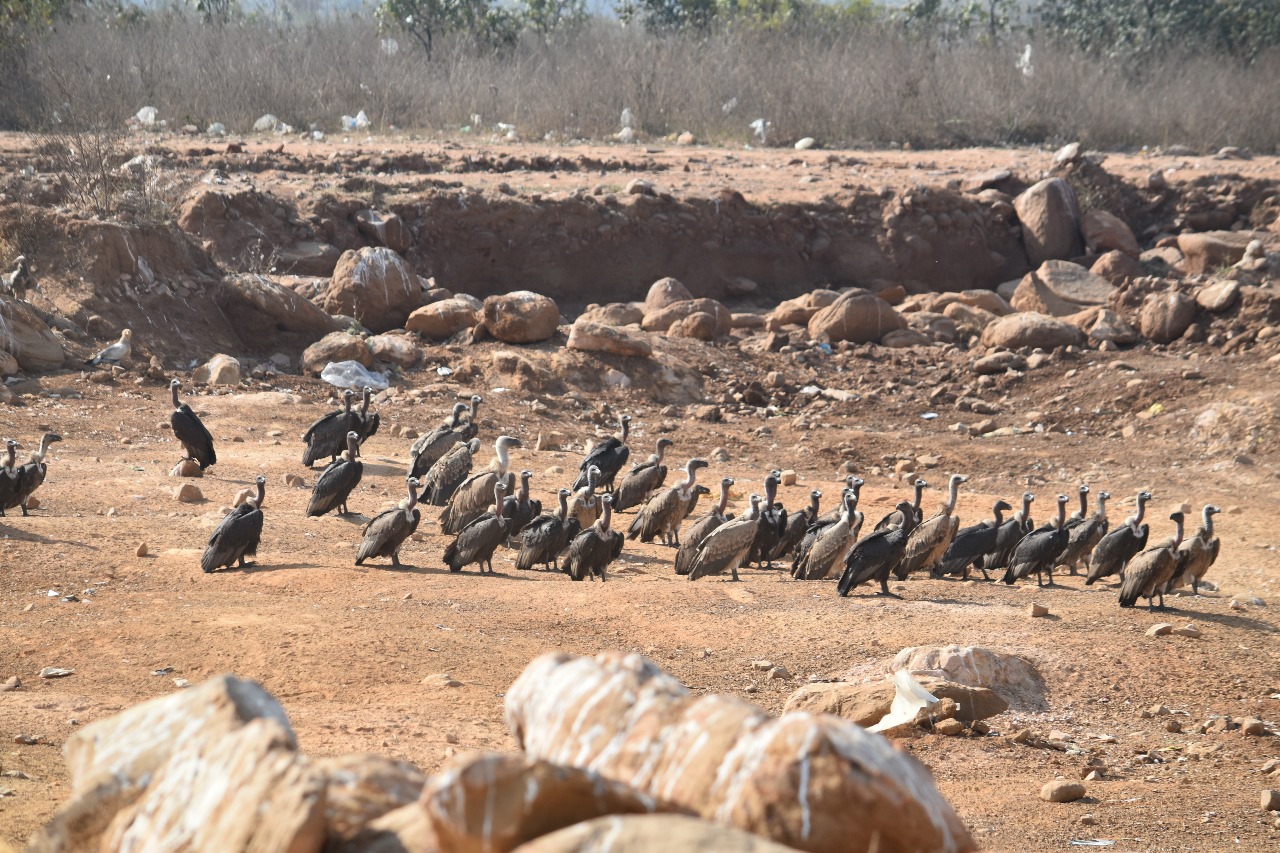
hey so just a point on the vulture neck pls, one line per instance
(409, 504)
(1177, 535)
(13, 457)
(174, 389)
(813, 506)
(953, 494)
(724, 500)
(1135, 520)
(1207, 524)
(603, 524)
(919, 496)
(364, 406)
(690, 480)
(503, 457)
(346, 403)
(262, 494)
(998, 512)
(38, 456)
(1062, 515)
(564, 506)
(1102, 508)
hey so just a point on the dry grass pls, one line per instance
(869, 85)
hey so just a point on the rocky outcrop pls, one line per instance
(1109, 327)
(857, 316)
(386, 229)
(1050, 217)
(1059, 289)
(250, 299)
(664, 292)
(1030, 330)
(868, 703)
(614, 314)
(1106, 232)
(442, 320)
(1208, 251)
(222, 369)
(376, 287)
(587, 336)
(813, 782)
(662, 319)
(25, 336)
(1117, 268)
(647, 833)
(336, 346)
(1165, 316)
(1218, 296)
(522, 317)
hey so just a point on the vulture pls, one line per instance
(8, 474)
(664, 511)
(518, 509)
(1197, 554)
(875, 555)
(797, 524)
(894, 519)
(449, 472)
(973, 543)
(366, 424)
(831, 545)
(1086, 532)
(238, 535)
(188, 429)
(585, 504)
(471, 427)
(930, 540)
(592, 550)
(29, 477)
(115, 353)
(476, 542)
(328, 435)
(701, 529)
(812, 532)
(18, 282)
(546, 536)
(1011, 533)
(698, 491)
(727, 546)
(388, 530)
(339, 479)
(429, 449)
(1119, 546)
(609, 456)
(771, 527)
(833, 515)
(643, 479)
(1039, 550)
(475, 494)
(1149, 573)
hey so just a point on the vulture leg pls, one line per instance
(395, 560)
(734, 578)
(24, 509)
(884, 587)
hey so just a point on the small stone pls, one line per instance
(1270, 800)
(1172, 725)
(56, 672)
(1061, 791)
(1236, 604)
(181, 683)
(1093, 776)
(26, 740)
(188, 493)
(949, 727)
(982, 427)
(1159, 710)
(1188, 631)
(720, 455)
(142, 549)
(779, 673)
(1253, 727)
(553, 470)
(1038, 610)
(275, 433)
(789, 478)
(186, 468)
(409, 433)
(1159, 629)
(1022, 736)
(10, 684)
(762, 665)
(452, 738)
(293, 481)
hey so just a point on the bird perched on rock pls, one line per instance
(238, 535)
(190, 430)
(115, 353)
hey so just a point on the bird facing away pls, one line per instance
(29, 476)
(328, 435)
(1118, 547)
(894, 519)
(771, 526)
(973, 543)
(1149, 573)
(334, 486)
(1086, 533)
(428, 449)
(609, 456)
(727, 546)
(190, 430)
(797, 524)
(701, 529)
(366, 424)
(1197, 554)
(874, 556)
(115, 353)
(387, 531)
(831, 545)
(592, 550)
(1039, 551)
(238, 535)
(546, 536)
(643, 479)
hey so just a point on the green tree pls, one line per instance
(669, 15)
(1136, 29)
(425, 20)
(547, 16)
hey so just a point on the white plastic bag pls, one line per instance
(353, 374)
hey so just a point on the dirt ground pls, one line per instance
(358, 655)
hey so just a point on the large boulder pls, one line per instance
(857, 316)
(335, 346)
(699, 325)
(614, 314)
(1060, 288)
(28, 338)
(361, 788)
(397, 349)
(1218, 296)
(1050, 217)
(522, 317)
(222, 369)
(1211, 250)
(868, 703)
(1165, 316)
(1013, 677)
(376, 287)
(444, 319)
(1106, 232)
(587, 336)
(662, 319)
(646, 833)
(1030, 330)
(259, 297)
(812, 782)
(800, 311)
(387, 229)
(664, 292)
(307, 257)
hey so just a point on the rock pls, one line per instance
(285, 309)
(934, 326)
(905, 338)
(867, 703)
(586, 336)
(361, 788)
(8, 364)
(747, 320)
(969, 320)
(187, 468)
(443, 319)
(220, 370)
(1188, 631)
(385, 228)
(293, 481)
(56, 672)
(789, 477)
(521, 317)
(10, 684)
(492, 803)
(799, 776)
(1109, 327)
(1013, 678)
(1117, 268)
(1066, 155)
(1165, 316)
(800, 310)
(1208, 251)
(664, 292)
(1062, 791)
(188, 493)
(141, 550)
(639, 186)
(857, 316)
(646, 833)
(308, 257)
(738, 286)
(949, 727)
(987, 300)
(1218, 296)
(698, 325)
(1159, 629)
(1106, 232)
(375, 286)
(1030, 330)
(394, 349)
(27, 338)
(335, 346)
(662, 319)
(1270, 800)
(1061, 288)
(779, 673)
(614, 314)
(1050, 218)
(403, 830)
(1038, 610)
(999, 362)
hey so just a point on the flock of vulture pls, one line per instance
(485, 509)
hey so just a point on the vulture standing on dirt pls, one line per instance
(831, 545)
(1197, 554)
(476, 542)
(1011, 533)
(930, 540)
(664, 511)
(30, 476)
(518, 509)
(874, 556)
(429, 449)
(366, 424)
(701, 529)
(388, 530)
(115, 353)
(449, 472)
(339, 479)
(1086, 533)
(797, 524)
(643, 479)
(973, 543)
(475, 494)
(894, 519)
(328, 435)
(546, 536)
(813, 531)
(190, 430)
(1149, 573)
(1039, 551)
(8, 474)
(771, 527)
(592, 550)
(585, 503)
(1119, 546)
(609, 456)
(834, 514)
(727, 546)
(238, 535)
(698, 491)
(18, 282)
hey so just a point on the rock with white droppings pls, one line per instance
(1062, 791)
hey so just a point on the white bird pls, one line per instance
(626, 135)
(761, 129)
(729, 106)
(18, 281)
(1024, 63)
(628, 118)
(117, 352)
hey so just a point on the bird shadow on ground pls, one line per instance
(383, 470)
(256, 567)
(17, 534)
(1233, 620)
(406, 569)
